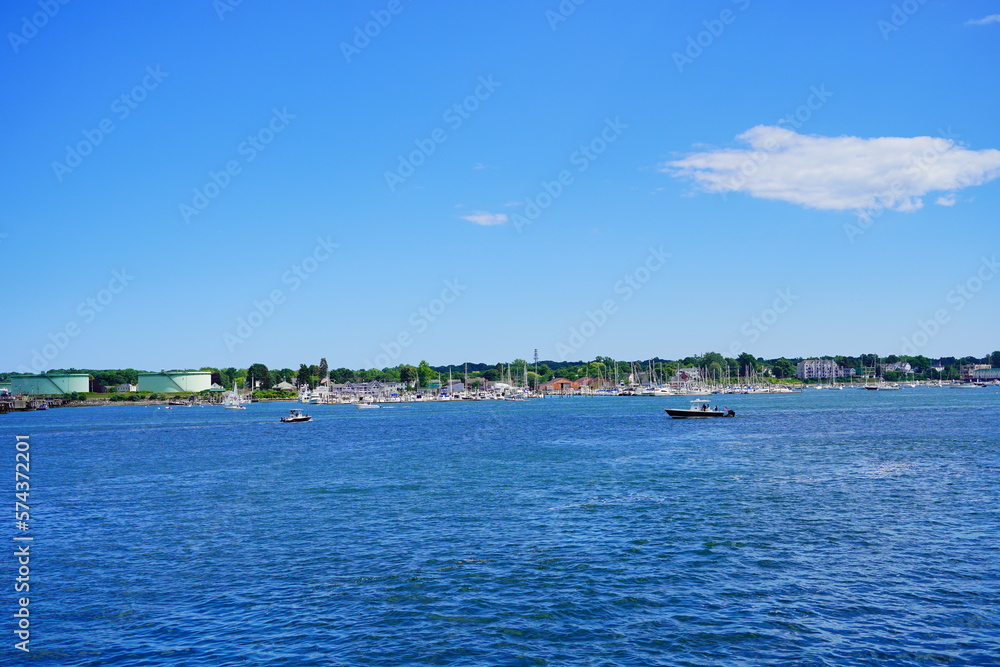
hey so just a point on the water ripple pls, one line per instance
(812, 530)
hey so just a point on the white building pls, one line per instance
(967, 371)
(811, 369)
(900, 367)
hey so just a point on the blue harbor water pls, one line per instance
(821, 528)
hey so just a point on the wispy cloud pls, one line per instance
(485, 218)
(839, 173)
(986, 20)
(947, 200)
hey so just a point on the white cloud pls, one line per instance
(839, 173)
(486, 219)
(986, 20)
(947, 200)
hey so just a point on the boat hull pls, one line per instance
(295, 417)
(694, 414)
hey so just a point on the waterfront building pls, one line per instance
(986, 374)
(166, 382)
(50, 383)
(556, 384)
(818, 368)
(966, 371)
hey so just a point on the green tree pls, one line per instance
(714, 358)
(259, 373)
(324, 368)
(408, 375)
(342, 375)
(228, 375)
(302, 376)
(747, 363)
(285, 375)
(425, 373)
(783, 369)
(597, 369)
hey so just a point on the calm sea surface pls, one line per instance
(821, 528)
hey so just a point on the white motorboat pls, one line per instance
(296, 416)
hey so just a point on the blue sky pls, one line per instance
(221, 184)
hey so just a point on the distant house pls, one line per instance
(285, 386)
(687, 375)
(125, 387)
(984, 374)
(899, 367)
(592, 383)
(557, 384)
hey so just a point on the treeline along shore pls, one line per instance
(114, 385)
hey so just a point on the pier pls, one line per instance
(24, 404)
